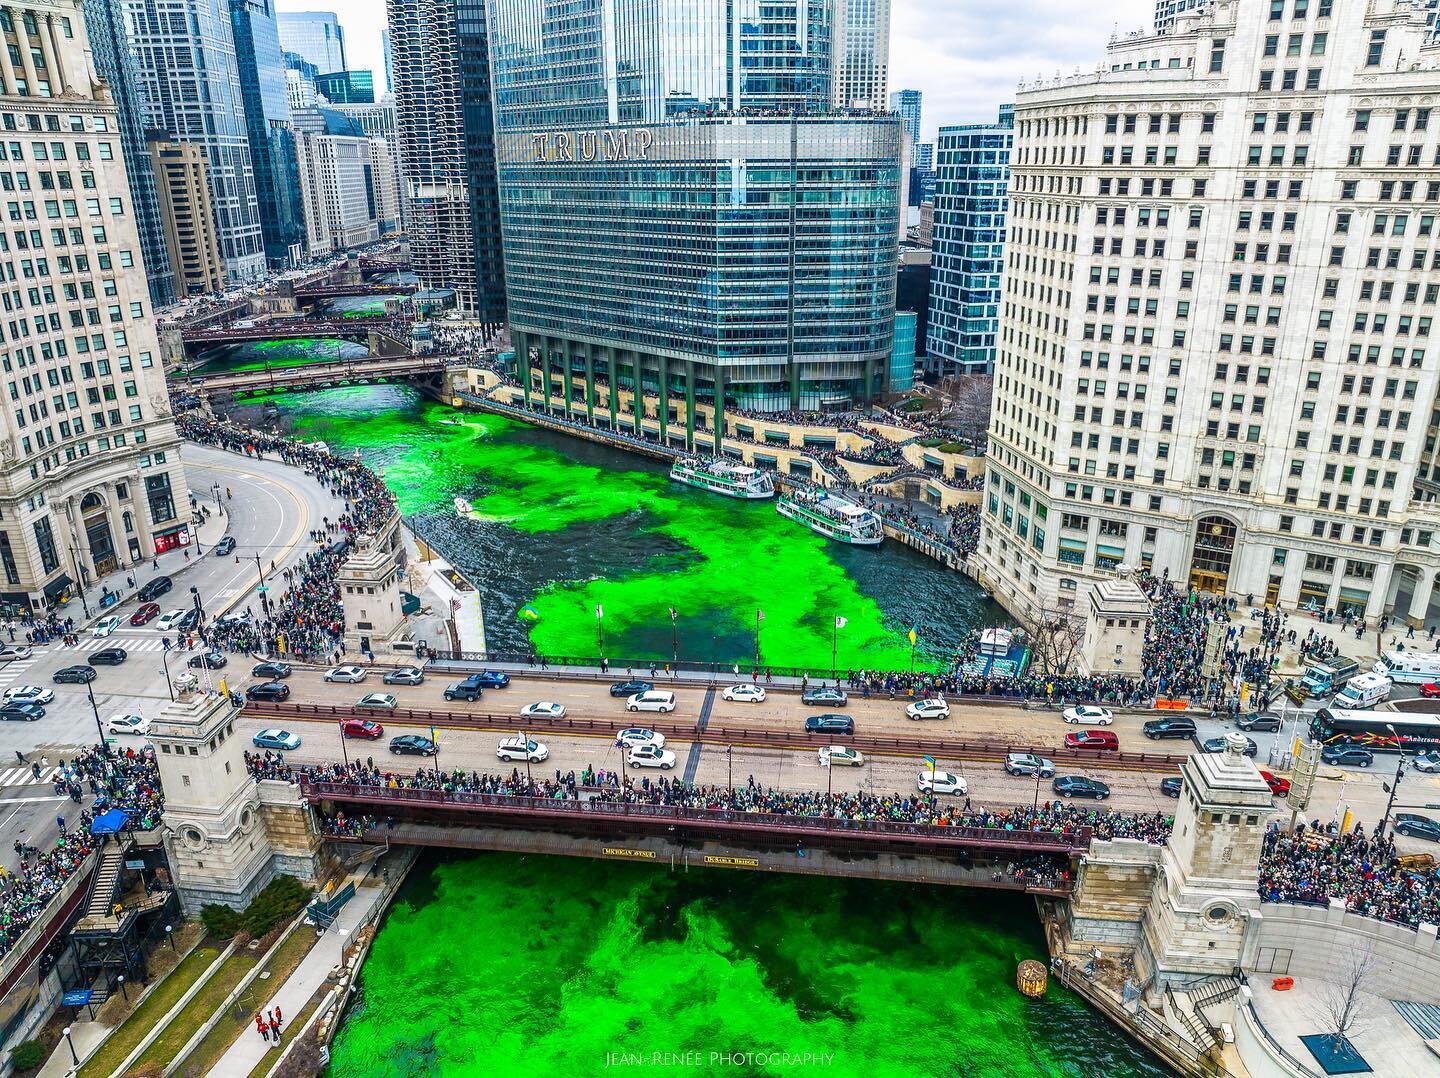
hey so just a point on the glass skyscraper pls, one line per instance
(315, 35)
(684, 209)
(973, 178)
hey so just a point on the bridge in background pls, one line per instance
(306, 293)
(429, 371)
(280, 329)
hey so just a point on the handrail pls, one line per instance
(1249, 1006)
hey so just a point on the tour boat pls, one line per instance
(833, 517)
(463, 507)
(720, 476)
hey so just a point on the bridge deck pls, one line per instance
(370, 367)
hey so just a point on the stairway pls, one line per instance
(1219, 990)
(106, 882)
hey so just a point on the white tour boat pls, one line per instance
(463, 506)
(833, 517)
(720, 476)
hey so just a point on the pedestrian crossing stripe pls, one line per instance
(91, 643)
(24, 776)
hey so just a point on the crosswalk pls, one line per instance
(129, 643)
(24, 776)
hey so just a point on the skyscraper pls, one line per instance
(337, 182)
(907, 104)
(347, 87)
(183, 202)
(190, 79)
(315, 35)
(385, 48)
(680, 220)
(105, 23)
(862, 53)
(969, 248)
(446, 148)
(267, 121)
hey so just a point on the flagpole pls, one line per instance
(757, 638)
(600, 628)
(834, 648)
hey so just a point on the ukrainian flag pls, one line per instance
(931, 761)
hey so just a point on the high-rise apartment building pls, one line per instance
(91, 480)
(446, 149)
(907, 104)
(315, 35)
(110, 52)
(683, 209)
(1216, 354)
(190, 80)
(183, 198)
(861, 53)
(338, 191)
(969, 248)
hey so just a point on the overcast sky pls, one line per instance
(966, 56)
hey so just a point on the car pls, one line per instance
(268, 690)
(9, 652)
(147, 613)
(377, 701)
(413, 745)
(1428, 762)
(276, 739)
(934, 708)
(73, 675)
(822, 695)
(1430, 690)
(1261, 722)
(942, 782)
(21, 712)
(1025, 763)
(207, 660)
(1280, 787)
(238, 617)
(470, 689)
(829, 724)
(28, 694)
(1171, 785)
(105, 626)
(494, 679)
(169, 620)
(271, 671)
(1092, 739)
(650, 756)
(1176, 727)
(189, 621)
(543, 709)
(155, 588)
(1407, 823)
(225, 546)
(1087, 715)
(630, 688)
(1080, 786)
(127, 724)
(364, 729)
(749, 694)
(108, 657)
(406, 675)
(520, 748)
(840, 756)
(1217, 744)
(651, 700)
(348, 674)
(1343, 755)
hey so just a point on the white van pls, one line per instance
(1363, 691)
(654, 700)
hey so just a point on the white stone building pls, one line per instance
(1216, 353)
(860, 54)
(338, 191)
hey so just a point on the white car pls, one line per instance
(942, 783)
(637, 735)
(169, 620)
(127, 724)
(654, 700)
(650, 756)
(935, 708)
(28, 694)
(841, 756)
(749, 694)
(106, 626)
(519, 748)
(1087, 715)
(545, 709)
(349, 674)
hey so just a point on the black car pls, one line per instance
(405, 675)
(189, 621)
(270, 690)
(829, 724)
(413, 745)
(824, 695)
(21, 713)
(492, 679)
(73, 675)
(1080, 786)
(1217, 744)
(1259, 723)
(469, 689)
(226, 545)
(1407, 823)
(630, 688)
(273, 671)
(1171, 785)
(1158, 728)
(108, 657)
(1346, 754)
(154, 589)
(209, 660)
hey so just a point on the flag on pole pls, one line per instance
(599, 611)
(839, 622)
(914, 637)
(931, 761)
(435, 738)
(674, 614)
(759, 614)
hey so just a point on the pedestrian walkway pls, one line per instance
(96, 643)
(25, 776)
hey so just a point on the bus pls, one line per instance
(1414, 667)
(1371, 730)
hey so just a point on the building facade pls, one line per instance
(183, 200)
(697, 248)
(347, 87)
(1215, 355)
(968, 239)
(907, 103)
(338, 191)
(315, 35)
(189, 78)
(862, 54)
(91, 481)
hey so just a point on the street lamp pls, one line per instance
(123, 992)
(165, 662)
(529, 782)
(675, 638)
(170, 936)
(104, 748)
(1395, 786)
(73, 1054)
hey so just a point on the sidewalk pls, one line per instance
(464, 607)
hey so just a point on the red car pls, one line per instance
(1431, 690)
(147, 612)
(1278, 786)
(1092, 739)
(362, 728)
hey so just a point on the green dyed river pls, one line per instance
(500, 964)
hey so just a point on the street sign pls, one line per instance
(76, 997)
(262, 589)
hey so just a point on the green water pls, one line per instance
(565, 526)
(290, 352)
(500, 964)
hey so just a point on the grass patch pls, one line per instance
(155, 1006)
(914, 404)
(165, 1047)
(952, 447)
(930, 443)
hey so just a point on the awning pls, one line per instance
(1109, 551)
(56, 586)
(110, 823)
(1076, 545)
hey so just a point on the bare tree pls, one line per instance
(1055, 637)
(1339, 1004)
(963, 403)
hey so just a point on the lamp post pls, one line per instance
(170, 936)
(123, 992)
(674, 637)
(165, 662)
(1395, 786)
(73, 1054)
(104, 748)
(529, 782)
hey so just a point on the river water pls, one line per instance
(293, 351)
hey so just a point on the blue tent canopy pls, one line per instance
(110, 823)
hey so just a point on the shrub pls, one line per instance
(952, 447)
(220, 921)
(27, 1055)
(930, 443)
(282, 898)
